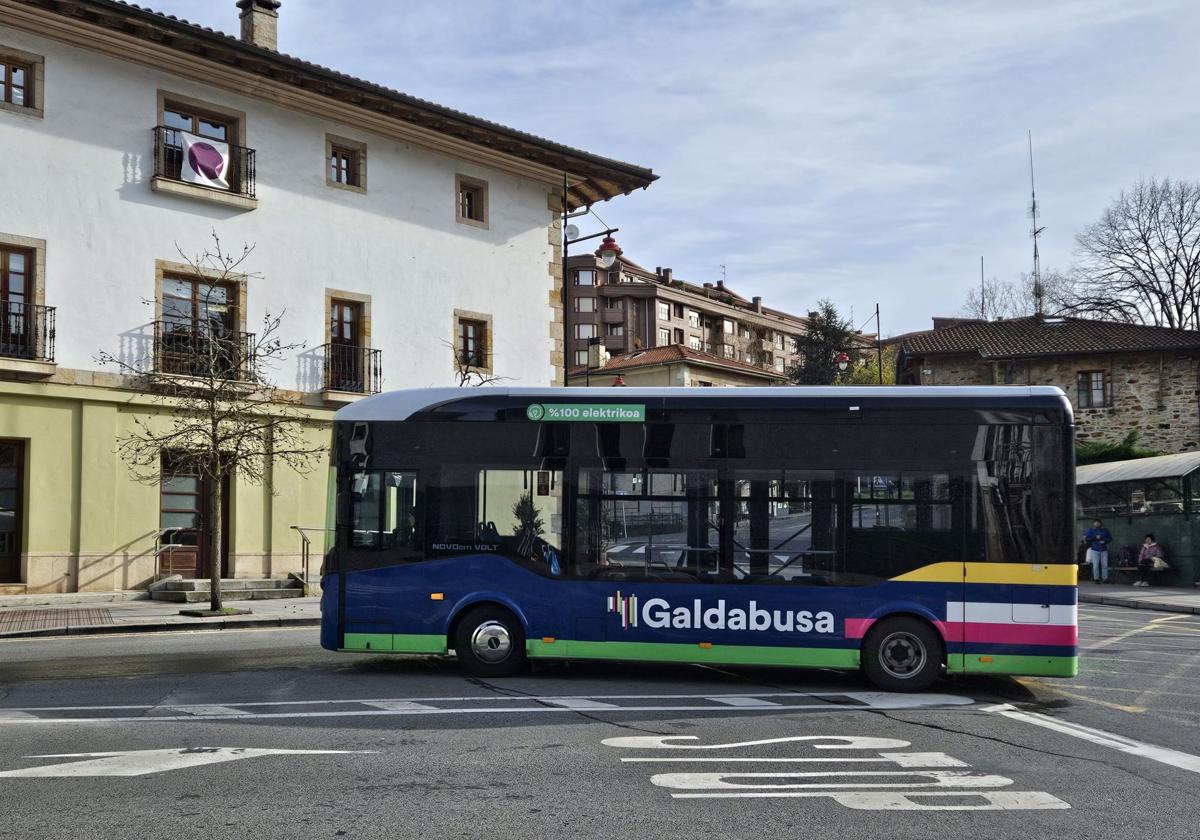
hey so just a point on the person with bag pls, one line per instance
(1150, 559)
(1098, 537)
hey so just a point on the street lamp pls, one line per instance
(608, 252)
(843, 362)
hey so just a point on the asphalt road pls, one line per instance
(262, 734)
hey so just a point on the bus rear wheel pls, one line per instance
(902, 654)
(489, 642)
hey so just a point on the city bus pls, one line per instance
(904, 531)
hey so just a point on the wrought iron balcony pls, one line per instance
(169, 155)
(357, 370)
(26, 331)
(197, 349)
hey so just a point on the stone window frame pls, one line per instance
(489, 333)
(170, 186)
(37, 70)
(359, 147)
(364, 301)
(240, 281)
(38, 247)
(470, 182)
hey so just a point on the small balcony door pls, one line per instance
(16, 284)
(12, 514)
(199, 321)
(186, 542)
(345, 346)
(177, 119)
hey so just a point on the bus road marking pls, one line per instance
(922, 785)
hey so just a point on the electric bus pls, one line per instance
(903, 531)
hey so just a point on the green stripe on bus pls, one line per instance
(1030, 666)
(396, 643)
(717, 654)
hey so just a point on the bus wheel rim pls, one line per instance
(902, 655)
(491, 642)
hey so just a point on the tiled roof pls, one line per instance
(674, 354)
(1039, 336)
(632, 175)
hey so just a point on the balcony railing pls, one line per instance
(26, 331)
(200, 350)
(168, 162)
(357, 370)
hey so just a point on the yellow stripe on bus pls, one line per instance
(1062, 574)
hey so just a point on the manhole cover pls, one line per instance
(14, 620)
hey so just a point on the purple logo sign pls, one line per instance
(206, 160)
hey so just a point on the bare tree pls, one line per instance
(1002, 299)
(470, 368)
(1141, 262)
(218, 408)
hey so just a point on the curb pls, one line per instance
(1138, 605)
(160, 627)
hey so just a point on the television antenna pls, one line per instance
(1038, 291)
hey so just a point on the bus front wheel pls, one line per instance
(902, 654)
(489, 642)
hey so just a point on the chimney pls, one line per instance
(666, 275)
(260, 22)
(757, 303)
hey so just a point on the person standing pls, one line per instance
(1098, 538)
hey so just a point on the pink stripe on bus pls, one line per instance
(856, 628)
(1013, 634)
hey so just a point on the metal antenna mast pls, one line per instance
(982, 291)
(1038, 292)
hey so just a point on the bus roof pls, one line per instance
(403, 404)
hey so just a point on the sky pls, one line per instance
(865, 152)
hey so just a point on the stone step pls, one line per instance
(227, 585)
(181, 596)
(13, 588)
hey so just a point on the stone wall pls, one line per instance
(1155, 394)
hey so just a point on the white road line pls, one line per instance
(867, 697)
(505, 710)
(1163, 755)
(930, 759)
(399, 706)
(744, 701)
(580, 703)
(210, 711)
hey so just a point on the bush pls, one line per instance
(1100, 452)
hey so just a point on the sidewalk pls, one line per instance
(1161, 598)
(144, 616)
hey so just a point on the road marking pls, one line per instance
(867, 701)
(1145, 628)
(838, 742)
(744, 701)
(146, 762)
(930, 759)
(916, 788)
(399, 706)
(864, 697)
(815, 780)
(1163, 755)
(993, 800)
(211, 711)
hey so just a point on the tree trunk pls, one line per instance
(215, 527)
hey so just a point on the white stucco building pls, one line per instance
(392, 233)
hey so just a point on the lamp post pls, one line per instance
(608, 252)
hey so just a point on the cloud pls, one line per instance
(864, 152)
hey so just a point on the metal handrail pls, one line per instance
(159, 548)
(168, 161)
(305, 549)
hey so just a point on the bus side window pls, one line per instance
(383, 510)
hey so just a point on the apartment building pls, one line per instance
(627, 308)
(382, 228)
